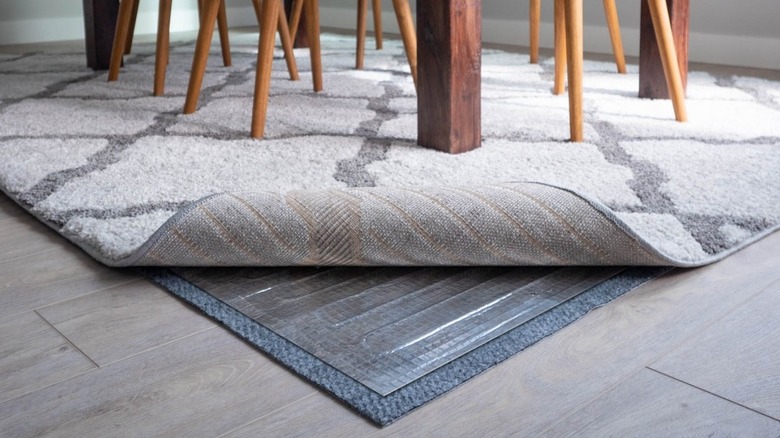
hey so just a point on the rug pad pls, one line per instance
(384, 409)
(388, 327)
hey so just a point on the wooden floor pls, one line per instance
(87, 351)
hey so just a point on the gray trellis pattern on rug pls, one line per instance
(339, 180)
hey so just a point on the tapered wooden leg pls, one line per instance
(284, 35)
(131, 28)
(534, 18)
(224, 39)
(287, 44)
(663, 33)
(574, 55)
(406, 23)
(269, 14)
(377, 9)
(362, 11)
(560, 47)
(199, 60)
(258, 6)
(163, 44)
(120, 38)
(613, 23)
(295, 17)
(313, 33)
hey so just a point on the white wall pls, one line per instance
(735, 32)
(29, 21)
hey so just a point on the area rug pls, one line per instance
(339, 179)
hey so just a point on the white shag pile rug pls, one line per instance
(340, 180)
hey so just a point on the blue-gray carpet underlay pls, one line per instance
(380, 409)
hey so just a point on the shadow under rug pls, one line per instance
(385, 341)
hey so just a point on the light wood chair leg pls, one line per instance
(559, 86)
(313, 34)
(258, 6)
(120, 38)
(377, 9)
(659, 13)
(287, 44)
(574, 54)
(284, 35)
(362, 11)
(613, 23)
(534, 18)
(131, 29)
(163, 44)
(202, 46)
(269, 14)
(406, 23)
(224, 39)
(295, 17)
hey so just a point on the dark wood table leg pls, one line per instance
(449, 38)
(99, 26)
(300, 40)
(652, 83)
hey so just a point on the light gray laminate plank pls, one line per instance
(737, 361)
(62, 273)
(533, 390)
(33, 356)
(649, 404)
(24, 235)
(9, 208)
(200, 386)
(121, 321)
(317, 415)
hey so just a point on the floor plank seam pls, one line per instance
(713, 394)
(715, 320)
(51, 326)
(4, 261)
(545, 433)
(55, 303)
(138, 353)
(95, 366)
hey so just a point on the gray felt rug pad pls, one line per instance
(216, 294)
(340, 181)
